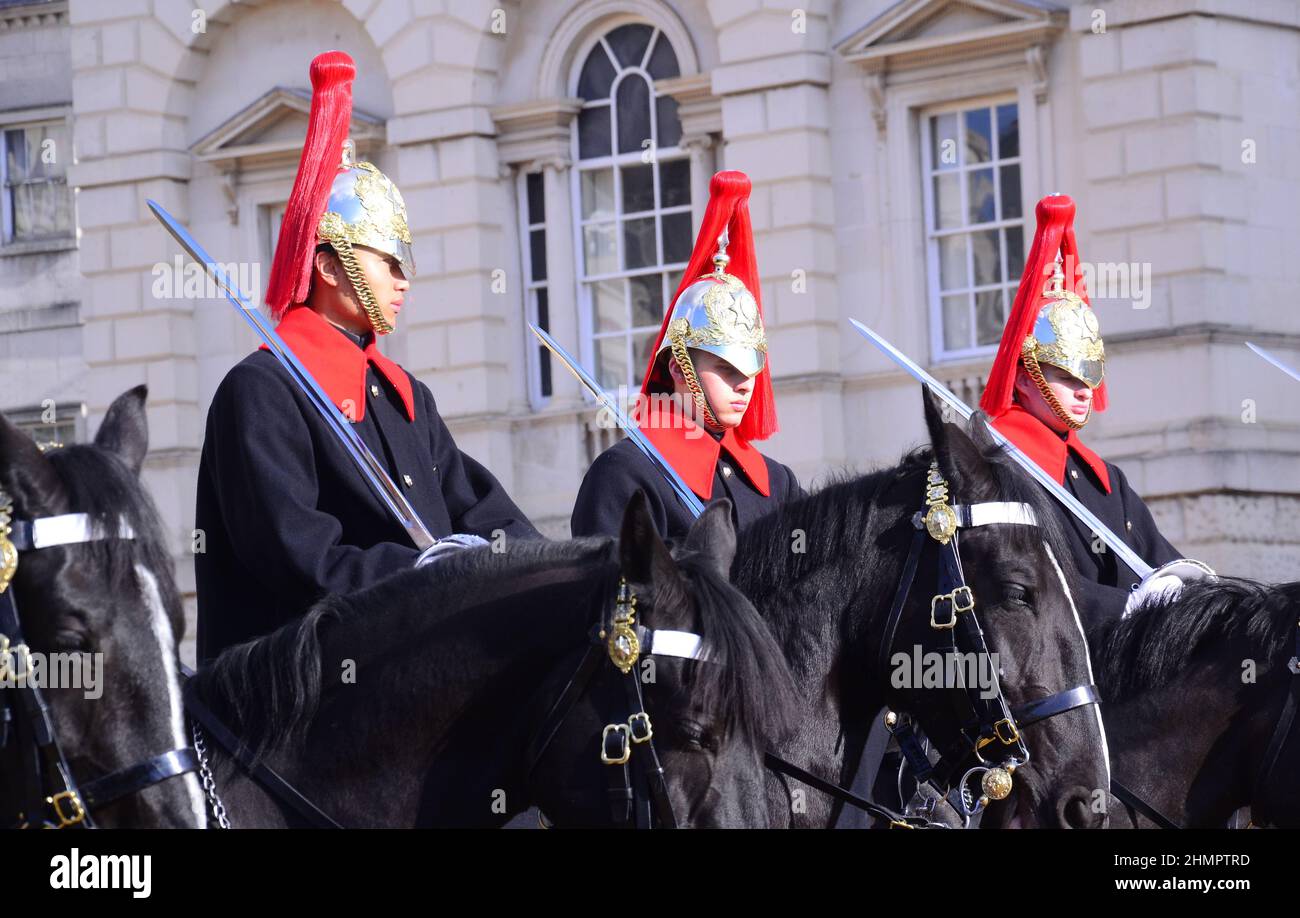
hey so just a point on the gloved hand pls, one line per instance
(1166, 582)
(449, 545)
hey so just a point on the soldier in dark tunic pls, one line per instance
(707, 393)
(285, 517)
(1045, 383)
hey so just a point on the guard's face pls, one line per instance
(1074, 395)
(727, 389)
(387, 281)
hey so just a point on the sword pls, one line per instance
(357, 450)
(685, 494)
(1273, 360)
(1071, 503)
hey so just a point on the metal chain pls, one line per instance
(1036, 374)
(692, 382)
(209, 785)
(352, 269)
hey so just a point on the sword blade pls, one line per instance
(684, 493)
(1068, 500)
(1289, 371)
(361, 456)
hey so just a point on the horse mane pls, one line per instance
(270, 688)
(1150, 648)
(842, 514)
(99, 484)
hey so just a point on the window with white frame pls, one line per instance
(37, 201)
(975, 224)
(632, 195)
(532, 193)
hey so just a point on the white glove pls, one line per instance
(1166, 582)
(448, 546)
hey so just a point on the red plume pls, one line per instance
(1055, 235)
(332, 74)
(728, 209)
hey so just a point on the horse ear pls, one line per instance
(713, 537)
(125, 430)
(960, 458)
(642, 553)
(27, 476)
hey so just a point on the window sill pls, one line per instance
(38, 247)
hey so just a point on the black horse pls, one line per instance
(1197, 690)
(824, 572)
(84, 595)
(455, 695)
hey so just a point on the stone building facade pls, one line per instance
(555, 156)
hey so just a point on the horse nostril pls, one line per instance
(1075, 810)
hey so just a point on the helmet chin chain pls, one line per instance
(348, 258)
(1045, 390)
(693, 383)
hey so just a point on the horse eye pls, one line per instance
(1016, 594)
(67, 640)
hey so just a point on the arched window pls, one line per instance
(632, 196)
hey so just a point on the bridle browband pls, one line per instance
(637, 791)
(49, 780)
(987, 722)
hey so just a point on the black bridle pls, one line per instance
(987, 723)
(636, 789)
(52, 796)
(1282, 732)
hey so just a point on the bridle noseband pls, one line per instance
(637, 791)
(50, 784)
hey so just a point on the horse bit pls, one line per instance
(69, 804)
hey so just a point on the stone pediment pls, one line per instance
(271, 130)
(918, 33)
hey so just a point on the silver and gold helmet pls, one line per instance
(1066, 335)
(718, 314)
(365, 208)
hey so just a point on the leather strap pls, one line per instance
(1133, 801)
(898, 820)
(134, 778)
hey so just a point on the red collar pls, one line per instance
(1045, 446)
(338, 365)
(694, 454)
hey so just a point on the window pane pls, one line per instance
(947, 201)
(536, 198)
(597, 75)
(986, 257)
(979, 136)
(956, 322)
(979, 196)
(944, 141)
(667, 121)
(1010, 179)
(988, 316)
(537, 254)
(593, 132)
(1008, 131)
(611, 361)
(633, 114)
(15, 155)
(675, 183)
(678, 241)
(42, 210)
(952, 262)
(645, 291)
(1015, 237)
(608, 306)
(597, 194)
(663, 60)
(629, 43)
(598, 248)
(642, 345)
(638, 188)
(543, 354)
(639, 243)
